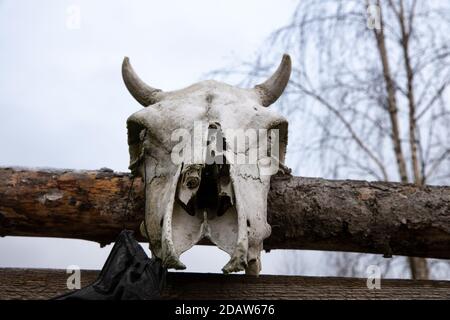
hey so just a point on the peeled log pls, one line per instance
(305, 213)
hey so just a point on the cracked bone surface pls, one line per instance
(206, 154)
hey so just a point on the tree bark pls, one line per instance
(305, 213)
(413, 142)
(391, 99)
(419, 266)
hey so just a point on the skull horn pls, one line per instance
(142, 92)
(270, 90)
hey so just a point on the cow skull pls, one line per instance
(185, 146)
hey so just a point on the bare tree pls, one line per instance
(369, 91)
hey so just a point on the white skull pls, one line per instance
(196, 197)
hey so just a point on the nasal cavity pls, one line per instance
(210, 195)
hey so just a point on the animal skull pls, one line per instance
(193, 195)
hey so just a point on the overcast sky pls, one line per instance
(63, 103)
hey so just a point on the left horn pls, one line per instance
(142, 92)
(270, 90)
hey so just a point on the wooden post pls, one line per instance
(45, 284)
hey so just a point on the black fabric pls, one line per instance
(128, 274)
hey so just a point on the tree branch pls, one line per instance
(347, 125)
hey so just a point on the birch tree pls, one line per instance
(369, 92)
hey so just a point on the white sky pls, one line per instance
(63, 103)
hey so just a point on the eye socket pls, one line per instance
(142, 134)
(135, 129)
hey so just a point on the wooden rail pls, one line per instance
(305, 213)
(47, 283)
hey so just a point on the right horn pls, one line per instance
(142, 92)
(270, 90)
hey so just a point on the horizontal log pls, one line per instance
(48, 283)
(305, 213)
